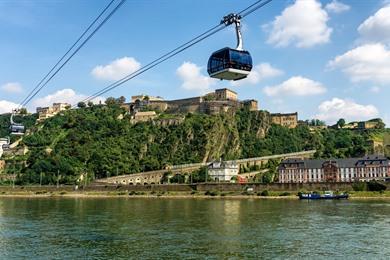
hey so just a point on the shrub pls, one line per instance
(211, 193)
(359, 186)
(264, 193)
(285, 194)
(375, 186)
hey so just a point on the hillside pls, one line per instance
(101, 140)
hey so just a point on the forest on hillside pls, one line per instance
(101, 141)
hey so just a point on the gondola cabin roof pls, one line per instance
(229, 64)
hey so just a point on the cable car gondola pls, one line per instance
(228, 63)
(16, 129)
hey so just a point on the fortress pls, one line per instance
(143, 107)
(222, 100)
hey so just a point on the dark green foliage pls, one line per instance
(375, 186)
(93, 141)
(341, 122)
(178, 178)
(81, 105)
(264, 193)
(359, 186)
(200, 175)
(211, 193)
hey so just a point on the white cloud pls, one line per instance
(193, 79)
(296, 86)
(376, 28)
(12, 87)
(336, 108)
(117, 69)
(7, 106)
(375, 89)
(63, 96)
(337, 7)
(303, 24)
(370, 62)
(259, 73)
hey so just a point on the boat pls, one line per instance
(328, 195)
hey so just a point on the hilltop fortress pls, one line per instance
(222, 100)
(145, 107)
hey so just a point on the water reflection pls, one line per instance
(192, 228)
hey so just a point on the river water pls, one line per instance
(135, 228)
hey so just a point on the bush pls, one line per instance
(359, 186)
(264, 193)
(375, 186)
(285, 194)
(211, 193)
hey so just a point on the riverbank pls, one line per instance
(193, 194)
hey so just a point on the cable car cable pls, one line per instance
(173, 53)
(252, 5)
(156, 62)
(76, 51)
(67, 52)
(255, 8)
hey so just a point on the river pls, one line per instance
(108, 228)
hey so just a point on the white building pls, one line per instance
(222, 171)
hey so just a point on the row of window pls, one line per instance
(299, 177)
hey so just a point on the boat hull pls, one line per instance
(312, 196)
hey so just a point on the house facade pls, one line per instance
(222, 171)
(368, 168)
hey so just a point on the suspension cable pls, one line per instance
(257, 5)
(156, 62)
(46, 80)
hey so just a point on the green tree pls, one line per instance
(23, 111)
(110, 101)
(341, 122)
(121, 100)
(81, 105)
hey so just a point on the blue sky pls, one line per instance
(324, 59)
